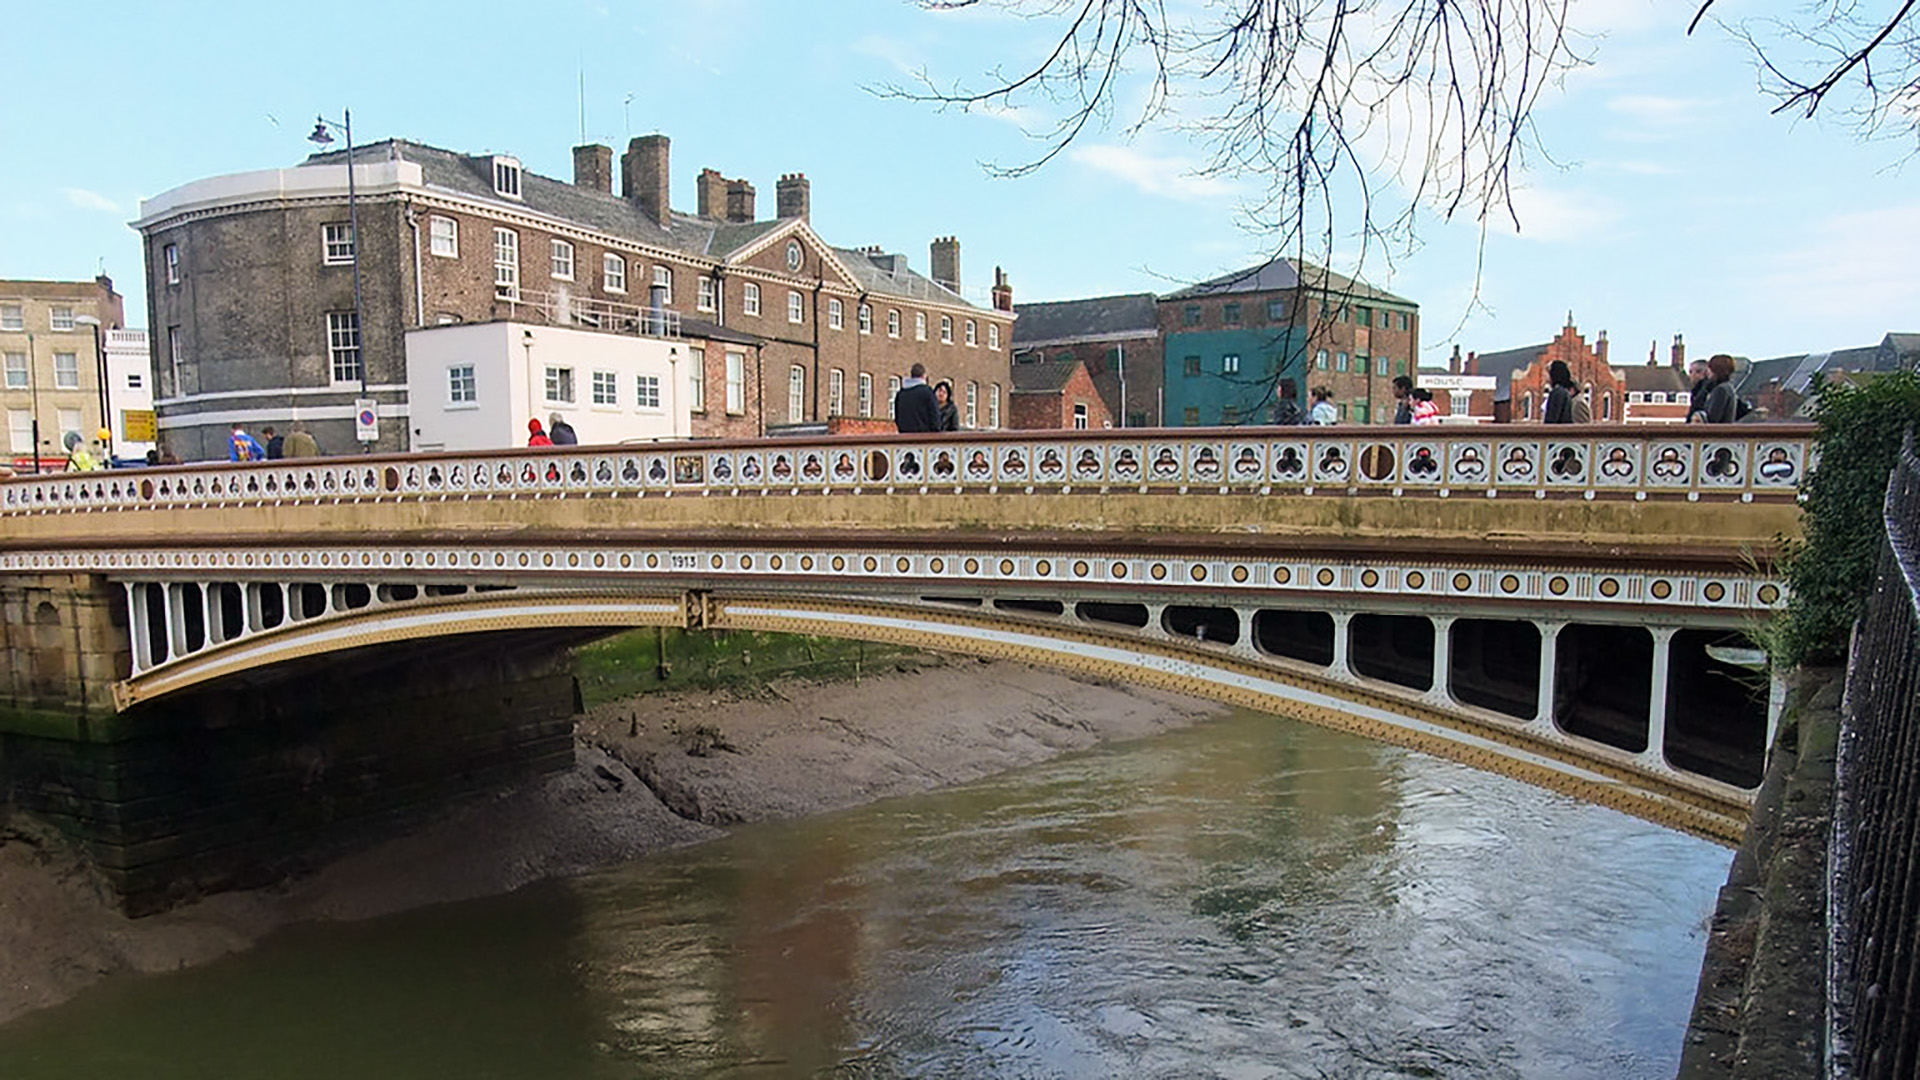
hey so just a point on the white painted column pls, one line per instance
(138, 629)
(1549, 669)
(210, 612)
(175, 608)
(1776, 706)
(1655, 754)
(1340, 667)
(1442, 658)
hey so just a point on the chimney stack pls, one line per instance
(644, 176)
(1600, 349)
(794, 196)
(1679, 353)
(1002, 291)
(944, 262)
(1453, 362)
(593, 168)
(711, 194)
(739, 202)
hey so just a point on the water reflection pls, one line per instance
(1251, 898)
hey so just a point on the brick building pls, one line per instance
(53, 342)
(1057, 395)
(251, 290)
(1115, 338)
(1655, 392)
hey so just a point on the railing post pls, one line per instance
(1341, 633)
(1442, 658)
(1549, 670)
(1655, 754)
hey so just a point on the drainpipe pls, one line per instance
(818, 284)
(419, 286)
(1120, 361)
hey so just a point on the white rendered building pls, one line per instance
(129, 392)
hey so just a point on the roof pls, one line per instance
(1129, 314)
(1653, 377)
(1043, 376)
(1795, 373)
(1501, 365)
(1280, 275)
(471, 176)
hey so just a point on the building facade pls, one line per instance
(1247, 347)
(1057, 395)
(253, 308)
(1115, 338)
(1656, 392)
(129, 359)
(53, 341)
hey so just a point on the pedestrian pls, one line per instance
(78, 457)
(1583, 405)
(244, 447)
(1323, 412)
(915, 410)
(276, 445)
(1286, 410)
(1424, 410)
(1560, 391)
(1697, 397)
(561, 432)
(301, 444)
(1403, 399)
(1722, 405)
(537, 435)
(943, 401)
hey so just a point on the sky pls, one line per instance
(1668, 198)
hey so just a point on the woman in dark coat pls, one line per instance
(949, 414)
(1559, 408)
(1722, 404)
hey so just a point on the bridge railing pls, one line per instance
(1874, 895)
(1738, 463)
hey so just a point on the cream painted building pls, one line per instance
(129, 396)
(474, 386)
(52, 342)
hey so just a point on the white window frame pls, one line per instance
(893, 391)
(796, 307)
(697, 378)
(993, 406)
(736, 382)
(708, 290)
(60, 317)
(919, 326)
(973, 334)
(343, 349)
(443, 237)
(65, 420)
(336, 243)
(170, 255)
(750, 299)
(560, 261)
(18, 377)
(1230, 364)
(66, 371)
(946, 329)
(613, 273)
(646, 392)
(836, 391)
(796, 394)
(13, 317)
(506, 177)
(463, 390)
(993, 336)
(20, 430)
(971, 417)
(134, 381)
(506, 263)
(604, 388)
(866, 394)
(865, 317)
(1080, 416)
(893, 322)
(836, 314)
(558, 385)
(663, 276)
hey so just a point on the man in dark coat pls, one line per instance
(561, 432)
(914, 409)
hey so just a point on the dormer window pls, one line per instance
(506, 177)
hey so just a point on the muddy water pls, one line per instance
(1249, 898)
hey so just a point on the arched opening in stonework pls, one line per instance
(49, 652)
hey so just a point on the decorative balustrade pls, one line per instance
(1744, 463)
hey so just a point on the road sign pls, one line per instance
(366, 420)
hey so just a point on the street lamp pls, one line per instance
(100, 373)
(33, 389)
(323, 137)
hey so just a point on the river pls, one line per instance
(1248, 898)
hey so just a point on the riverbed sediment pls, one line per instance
(652, 772)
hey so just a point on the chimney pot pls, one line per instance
(593, 168)
(710, 192)
(793, 196)
(944, 263)
(645, 173)
(1002, 291)
(739, 201)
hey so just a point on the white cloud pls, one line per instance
(1173, 177)
(1658, 110)
(1858, 267)
(91, 200)
(1559, 217)
(892, 51)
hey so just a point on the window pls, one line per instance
(1191, 367)
(1320, 360)
(134, 381)
(1230, 364)
(646, 391)
(866, 394)
(709, 288)
(506, 263)
(736, 382)
(993, 336)
(171, 256)
(1362, 316)
(836, 315)
(796, 393)
(796, 307)
(1190, 416)
(1190, 315)
(343, 347)
(919, 326)
(1079, 416)
(893, 323)
(893, 391)
(1606, 406)
(506, 177)
(1362, 412)
(946, 329)
(614, 272)
(443, 237)
(1276, 311)
(66, 371)
(176, 355)
(1229, 415)
(1230, 314)
(866, 318)
(1382, 366)
(1405, 323)
(461, 389)
(20, 430)
(562, 260)
(60, 318)
(336, 243)
(836, 391)
(973, 334)
(971, 417)
(12, 317)
(663, 278)
(66, 420)
(750, 299)
(560, 385)
(606, 388)
(697, 378)
(17, 378)
(1343, 313)
(1339, 361)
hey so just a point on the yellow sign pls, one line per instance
(138, 425)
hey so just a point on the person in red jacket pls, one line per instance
(536, 435)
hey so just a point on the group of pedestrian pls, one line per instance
(241, 446)
(922, 408)
(557, 432)
(1713, 400)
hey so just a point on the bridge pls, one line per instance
(1566, 605)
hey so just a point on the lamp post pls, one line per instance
(321, 136)
(100, 373)
(33, 391)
